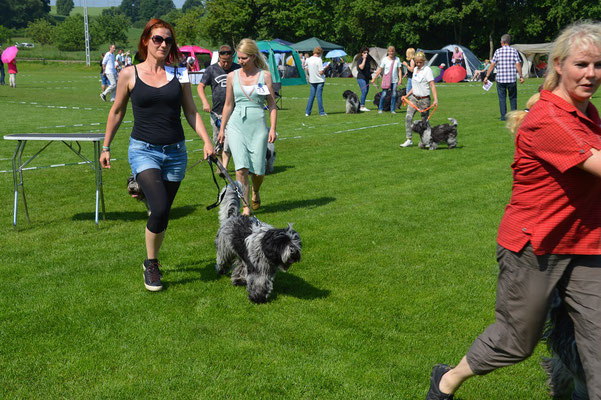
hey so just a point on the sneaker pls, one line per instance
(323, 115)
(364, 109)
(103, 96)
(152, 275)
(393, 112)
(434, 393)
(306, 115)
(379, 111)
(407, 143)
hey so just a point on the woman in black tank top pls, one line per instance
(157, 150)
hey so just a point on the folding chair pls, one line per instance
(277, 89)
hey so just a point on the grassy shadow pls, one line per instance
(291, 205)
(177, 212)
(291, 285)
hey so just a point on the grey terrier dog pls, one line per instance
(135, 191)
(564, 367)
(432, 136)
(253, 248)
(352, 102)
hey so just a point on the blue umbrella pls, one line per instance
(335, 53)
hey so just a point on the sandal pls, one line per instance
(255, 204)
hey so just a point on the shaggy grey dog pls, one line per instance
(255, 249)
(564, 368)
(352, 102)
(270, 158)
(135, 191)
(432, 136)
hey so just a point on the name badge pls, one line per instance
(182, 74)
(261, 89)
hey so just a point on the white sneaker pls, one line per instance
(364, 109)
(379, 111)
(393, 112)
(306, 115)
(407, 143)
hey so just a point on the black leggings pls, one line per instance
(159, 196)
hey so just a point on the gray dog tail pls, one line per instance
(453, 121)
(230, 204)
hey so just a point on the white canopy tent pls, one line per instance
(376, 54)
(530, 53)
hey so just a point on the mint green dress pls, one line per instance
(247, 131)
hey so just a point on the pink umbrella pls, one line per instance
(9, 54)
(454, 74)
(194, 49)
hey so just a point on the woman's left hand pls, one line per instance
(272, 136)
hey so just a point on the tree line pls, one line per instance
(428, 24)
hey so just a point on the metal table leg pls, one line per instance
(17, 165)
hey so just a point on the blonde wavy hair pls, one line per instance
(580, 35)
(410, 53)
(249, 47)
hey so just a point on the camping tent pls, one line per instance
(444, 55)
(376, 54)
(282, 71)
(530, 54)
(309, 44)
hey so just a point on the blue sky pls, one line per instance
(109, 3)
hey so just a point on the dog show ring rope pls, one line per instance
(406, 102)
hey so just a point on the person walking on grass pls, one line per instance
(317, 79)
(364, 76)
(390, 66)
(508, 62)
(548, 238)
(157, 149)
(108, 68)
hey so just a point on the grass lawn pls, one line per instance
(398, 270)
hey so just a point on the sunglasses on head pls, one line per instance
(158, 40)
(226, 52)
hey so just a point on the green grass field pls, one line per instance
(398, 270)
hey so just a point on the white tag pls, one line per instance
(261, 89)
(487, 86)
(182, 74)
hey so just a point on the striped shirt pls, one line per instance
(505, 59)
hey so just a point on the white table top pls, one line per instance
(81, 137)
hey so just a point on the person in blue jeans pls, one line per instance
(315, 70)
(364, 76)
(389, 65)
(1, 70)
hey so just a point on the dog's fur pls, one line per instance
(269, 158)
(564, 368)
(352, 102)
(255, 249)
(135, 191)
(432, 136)
(400, 92)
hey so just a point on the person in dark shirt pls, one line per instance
(364, 76)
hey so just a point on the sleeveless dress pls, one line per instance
(247, 129)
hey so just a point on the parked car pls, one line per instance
(25, 45)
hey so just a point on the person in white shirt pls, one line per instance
(315, 70)
(422, 84)
(108, 68)
(390, 65)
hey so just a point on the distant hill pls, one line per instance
(109, 3)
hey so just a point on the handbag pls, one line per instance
(387, 78)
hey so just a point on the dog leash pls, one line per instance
(226, 176)
(406, 102)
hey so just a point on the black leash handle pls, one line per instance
(213, 160)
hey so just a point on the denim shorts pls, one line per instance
(171, 159)
(104, 79)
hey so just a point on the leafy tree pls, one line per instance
(190, 4)
(110, 28)
(17, 13)
(172, 16)
(112, 11)
(69, 35)
(5, 34)
(64, 7)
(40, 31)
(131, 9)
(187, 27)
(154, 8)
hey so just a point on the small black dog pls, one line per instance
(564, 367)
(432, 136)
(135, 191)
(255, 249)
(352, 102)
(386, 106)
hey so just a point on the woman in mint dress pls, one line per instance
(244, 115)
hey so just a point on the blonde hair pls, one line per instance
(420, 55)
(581, 35)
(410, 53)
(249, 47)
(515, 118)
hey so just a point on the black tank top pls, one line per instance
(157, 112)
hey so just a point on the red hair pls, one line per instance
(174, 54)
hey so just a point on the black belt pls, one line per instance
(421, 97)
